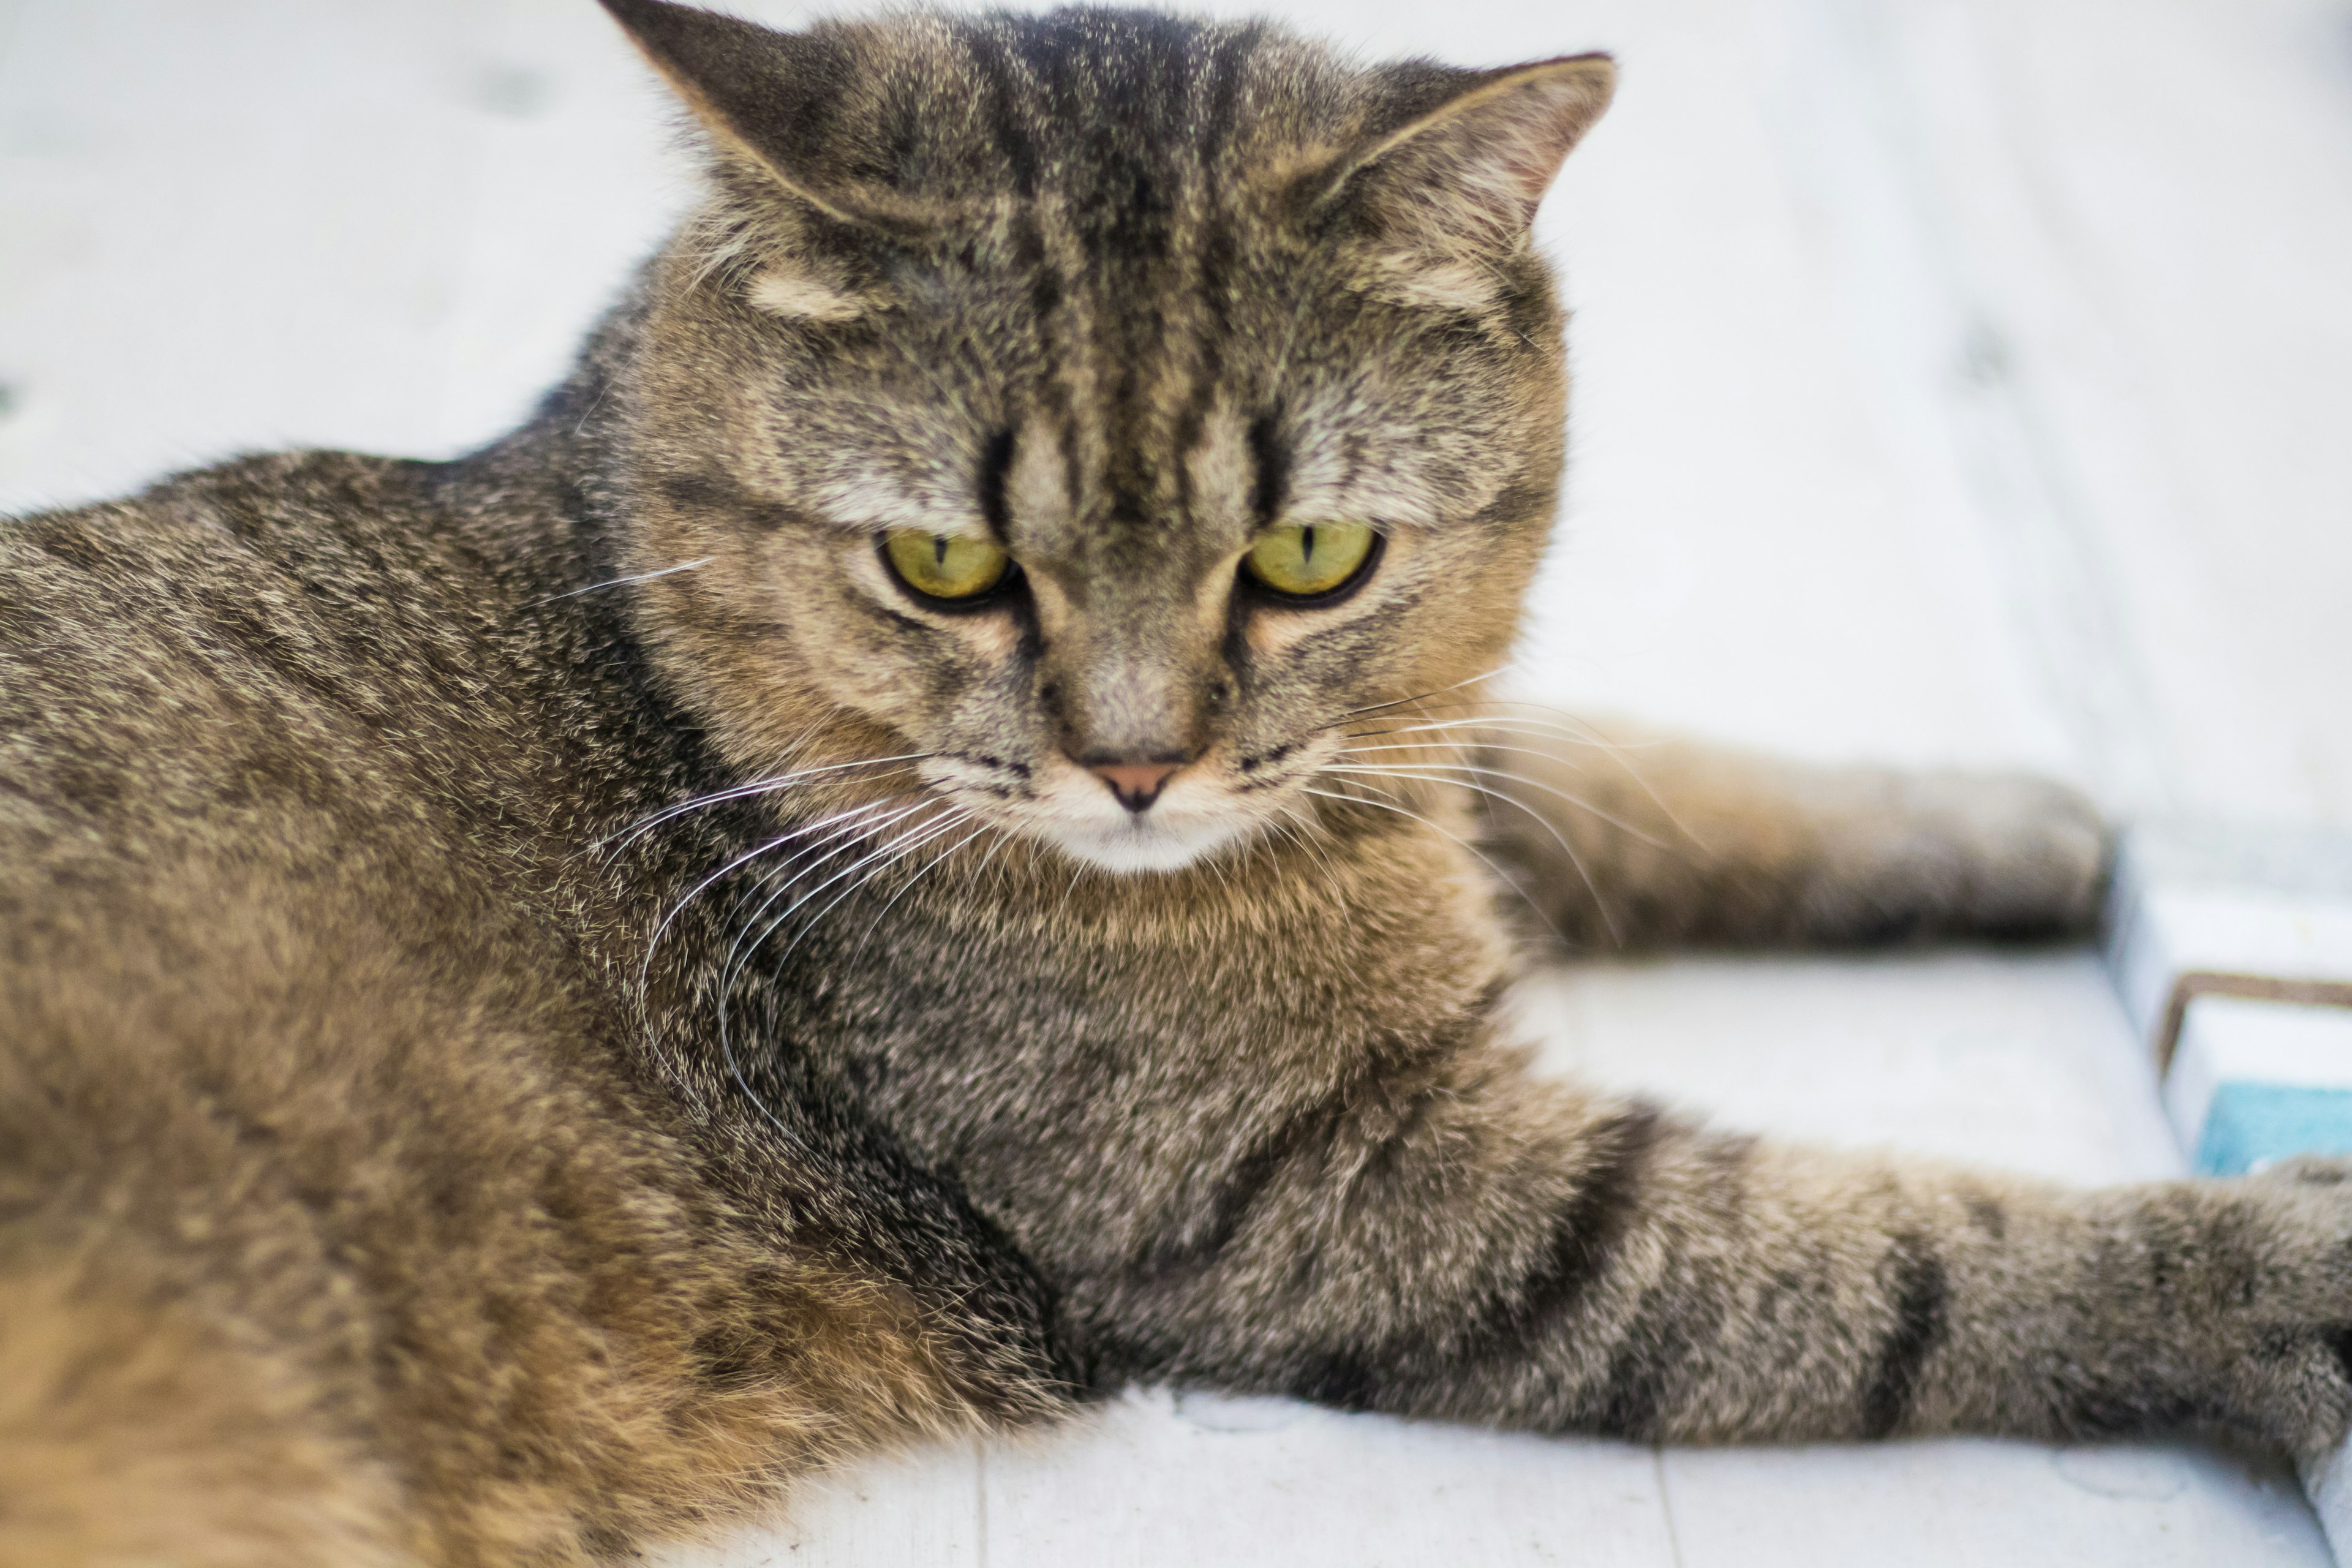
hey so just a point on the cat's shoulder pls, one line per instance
(264, 622)
(282, 510)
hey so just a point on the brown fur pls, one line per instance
(544, 996)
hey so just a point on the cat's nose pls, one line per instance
(1136, 785)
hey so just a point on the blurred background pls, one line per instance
(1958, 380)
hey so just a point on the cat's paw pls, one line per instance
(2279, 1269)
(2008, 855)
(2043, 856)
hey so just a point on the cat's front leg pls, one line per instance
(1627, 840)
(1469, 1244)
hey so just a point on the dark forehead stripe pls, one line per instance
(1271, 486)
(995, 463)
(1123, 119)
(1012, 131)
(1212, 254)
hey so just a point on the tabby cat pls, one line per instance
(924, 841)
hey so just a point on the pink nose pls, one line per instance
(1136, 785)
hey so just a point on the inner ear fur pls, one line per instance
(772, 101)
(795, 227)
(1459, 183)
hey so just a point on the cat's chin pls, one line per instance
(1143, 843)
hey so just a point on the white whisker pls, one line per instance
(1599, 901)
(1300, 831)
(1571, 729)
(1578, 801)
(1506, 878)
(892, 902)
(1422, 696)
(644, 969)
(746, 946)
(757, 786)
(624, 581)
(731, 969)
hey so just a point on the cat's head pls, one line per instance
(1098, 408)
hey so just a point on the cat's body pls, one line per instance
(424, 1138)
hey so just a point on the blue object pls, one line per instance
(2251, 1122)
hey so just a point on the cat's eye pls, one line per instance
(1306, 561)
(943, 566)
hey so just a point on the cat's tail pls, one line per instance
(135, 1430)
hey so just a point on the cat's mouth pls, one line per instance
(1197, 811)
(1146, 841)
(1192, 816)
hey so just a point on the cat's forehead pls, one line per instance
(1162, 397)
(1061, 478)
(1115, 112)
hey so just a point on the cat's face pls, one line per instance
(1110, 466)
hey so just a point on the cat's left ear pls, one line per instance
(1460, 180)
(772, 101)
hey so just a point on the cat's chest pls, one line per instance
(1014, 1036)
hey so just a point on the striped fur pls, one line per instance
(544, 996)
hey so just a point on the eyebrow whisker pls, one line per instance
(624, 581)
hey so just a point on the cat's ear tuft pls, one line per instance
(767, 99)
(1463, 178)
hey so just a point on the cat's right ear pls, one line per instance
(768, 101)
(1434, 200)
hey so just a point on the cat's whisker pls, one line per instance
(832, 822)
(594, 403)
(1617, 751)
(870, 867)
(897, 850)
(929, 867)
(1459, 741)
(746, 946)
(786, 880)
(802, 742)
(1001, 840)
(624, 581)
(1506, 878)
(761, 786)
(1577, 801)
(777, 882)
(769, 785)
(731, 969)
(1474, 719)
(1213, 864)
(1503, 723)
(832, 834)
(1553, 720)
(1600, 900)
(1300, 830)
(1550, 712)
(1418, 696)
(1578, 733)
(644, 970)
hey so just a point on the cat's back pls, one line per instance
(264, 755)
(246, 722)
(245, 640)
(261, 703)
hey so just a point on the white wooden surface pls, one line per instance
(1959, 380)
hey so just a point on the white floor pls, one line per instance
(1959, 380)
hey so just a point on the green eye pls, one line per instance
(944, 566)
(1308, 559)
